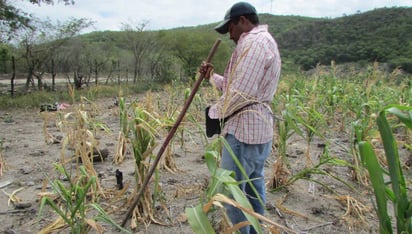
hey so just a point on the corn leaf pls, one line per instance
(375, 172)
(405, 118)
(241, 198)
(211, 161)
(401, 202)
(198, 220)
(219, 179)
(104, 217)
(408, 212)
(48, 201)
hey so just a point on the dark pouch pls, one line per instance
(213, 126)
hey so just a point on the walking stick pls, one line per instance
(170, 135)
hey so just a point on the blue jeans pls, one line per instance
(252, 158)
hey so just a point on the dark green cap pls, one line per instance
(239, 9)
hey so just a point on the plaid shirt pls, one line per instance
(251, 76)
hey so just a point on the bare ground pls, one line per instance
(304, 207)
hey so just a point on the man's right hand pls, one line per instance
(206, 69)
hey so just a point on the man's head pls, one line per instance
(241, 17)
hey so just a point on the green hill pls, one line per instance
(383, 35)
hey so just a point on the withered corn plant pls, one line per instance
(191, 123)
(144, 127)
(123, 134)
(165, 119)
(73, 202)
(79, 127)
(395, 190)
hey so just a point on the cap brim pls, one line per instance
(223, 27)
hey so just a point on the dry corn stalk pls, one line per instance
(280, 174)
(48, 117)
(168, 161)
(121, 148)
(93, 224)
(143, 212)
(220, 198)
(13, 199)
(75, 125)
(53, 227)
(359, 173)
(355, 214)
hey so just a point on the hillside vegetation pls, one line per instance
(381, 35)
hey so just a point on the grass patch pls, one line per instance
(35, 99)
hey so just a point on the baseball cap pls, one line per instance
(239, 9)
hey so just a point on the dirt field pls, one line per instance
(304, 207)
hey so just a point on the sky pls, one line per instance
(167, 14)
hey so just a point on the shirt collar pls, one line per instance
(258, 29)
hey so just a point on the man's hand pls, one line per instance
(206, 69)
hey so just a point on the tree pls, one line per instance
(191, 48)
(140, 43)
(38, 44)
(161, 62)
(13, 19)
(4, 57)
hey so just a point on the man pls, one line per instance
(248, 84)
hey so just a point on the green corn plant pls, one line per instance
(394, 190)
(312, 122)
(361, 129)
(143, 135)
(197, 216)
(123, 116)
(319, 169)
(73, 202)
(222, 181)
(358, 134)
(224, 189)
(286, 127)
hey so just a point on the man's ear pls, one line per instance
(242, 19)
(245, 21)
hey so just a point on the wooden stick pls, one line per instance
(170, 135)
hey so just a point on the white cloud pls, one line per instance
(165, 14)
